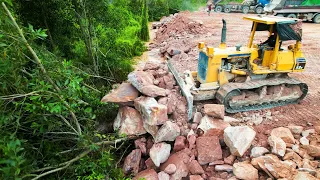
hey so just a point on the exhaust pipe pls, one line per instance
(223, 35)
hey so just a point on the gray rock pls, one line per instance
(258, 151)
(239, 139)
(159, 153)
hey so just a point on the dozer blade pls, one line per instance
(184, 89)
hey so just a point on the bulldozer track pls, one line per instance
(227, 91)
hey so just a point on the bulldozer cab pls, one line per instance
(271, 56)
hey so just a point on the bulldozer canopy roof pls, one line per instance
(287, 28)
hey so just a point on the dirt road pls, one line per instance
(307, 113)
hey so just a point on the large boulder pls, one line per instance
(278, 145)
(212, 127)
(208, 149)
(149, 174)
(152, 112)
(177, 159)
(283, 133)
(123, 95)
(143, 81)
(159, 153)
(239, 139)
(214, 110)
(244, 170)
(168, 132)
(129, 122)
(132, 161)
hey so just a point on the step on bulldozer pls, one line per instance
(249, 78)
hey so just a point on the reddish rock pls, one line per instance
(152, 112)
(123, 95)
(169, 81)
(294, 157)
(159, 153)
(132, 162)
(140, 79)
(214, 178)
(230, 159)
(180, 143)
(151, 65)
(141, 144)
(195, 177)
(209, 149)
(143, 81)
(224, 175)
(214, 110)
(283, 133)
(149, 163)
(161, 83)
(129, 122)
(195, 167)
(197, 117)
(192, 141)
(181, 168)
(223, 167)
(153, 91)
(163, 176)
(148, 174)
(194, 126)
(312, 150)
(163, 101)
(281, 169)
(170, 169)
(212, 127)
(168, 132)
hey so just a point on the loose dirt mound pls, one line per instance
(177, 26)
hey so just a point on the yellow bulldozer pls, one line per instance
(249, 78)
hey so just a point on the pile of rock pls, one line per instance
(175, 26)
(209, 146)
(150, 102)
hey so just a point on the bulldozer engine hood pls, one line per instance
(287, 30)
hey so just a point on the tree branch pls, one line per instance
(67, 163)
(43, 70)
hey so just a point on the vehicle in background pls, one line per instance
(228, 6)
(303, 9)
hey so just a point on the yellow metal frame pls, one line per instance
(273, 61)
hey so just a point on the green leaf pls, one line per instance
(88, 110)
(3, 45)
